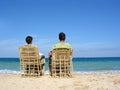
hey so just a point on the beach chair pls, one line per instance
(61, 64)
(29, 61)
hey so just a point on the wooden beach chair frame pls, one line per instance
(29, 61)
(61, 64)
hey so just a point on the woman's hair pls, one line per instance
(29, 39)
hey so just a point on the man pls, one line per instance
(61, 44)
(41, 57)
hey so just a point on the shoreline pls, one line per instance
(75, 72)
(110, 81)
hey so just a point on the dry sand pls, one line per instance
(78, 82)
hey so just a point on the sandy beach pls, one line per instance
(78, 82)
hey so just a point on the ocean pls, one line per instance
(80, 65)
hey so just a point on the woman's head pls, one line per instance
(29, 39)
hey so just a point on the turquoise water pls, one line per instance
(81, 65)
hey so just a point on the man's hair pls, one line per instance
(61, 36)
(29, 39)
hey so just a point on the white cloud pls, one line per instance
(96, 49)
(9, 48)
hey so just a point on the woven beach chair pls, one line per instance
(29, 61)
(61, 64)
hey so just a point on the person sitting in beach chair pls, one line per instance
(31, 61)
(60, 58)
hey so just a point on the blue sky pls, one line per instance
(92, 27)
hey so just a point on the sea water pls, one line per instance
(80, 65)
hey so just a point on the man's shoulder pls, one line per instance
(56, 44)
(67, 44)
(60, 45)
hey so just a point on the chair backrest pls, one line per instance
(29, 60)
(62, 62)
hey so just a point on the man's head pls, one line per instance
(29, 39)
(62, 36)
